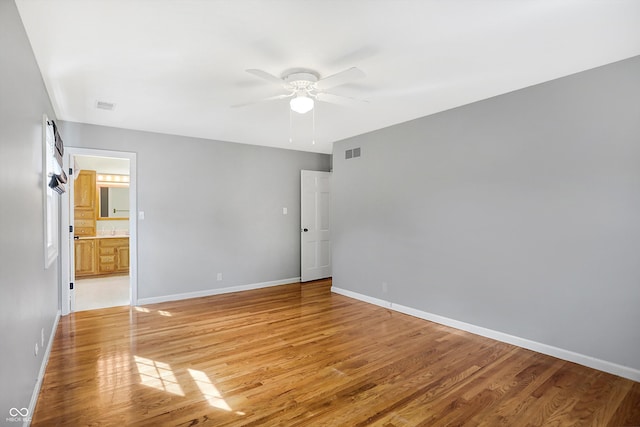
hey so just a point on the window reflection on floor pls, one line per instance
(208, 390)
(113, 368)
(160, 375)
(147, 310)
(157, 375)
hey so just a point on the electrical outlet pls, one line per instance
(219, 276)
(35, 351)
(385, 287)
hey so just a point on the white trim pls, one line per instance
(361, 297)
(560, 353)
(217, 291)
(51, 199)
(65, 256)
(43, 368)
(70, 152)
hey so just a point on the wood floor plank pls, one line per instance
(299, 355)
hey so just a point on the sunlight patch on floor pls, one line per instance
(146, 310)
(208, 390)
(157, 375)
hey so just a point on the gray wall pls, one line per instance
(28, 292)
(520, 213)
(210, 207)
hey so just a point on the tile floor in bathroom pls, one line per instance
(101, 292)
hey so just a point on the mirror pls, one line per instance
(113, 202)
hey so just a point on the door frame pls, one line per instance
(66, 238)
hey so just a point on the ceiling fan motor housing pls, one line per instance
(302, 80)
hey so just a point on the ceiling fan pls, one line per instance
(305, 86)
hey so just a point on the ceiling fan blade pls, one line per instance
(340, 78)
(271, 98)
(339, 99)
(266, 76)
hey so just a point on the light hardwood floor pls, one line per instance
(300, 355)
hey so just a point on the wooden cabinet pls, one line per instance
(84, 190)
(102, 256)
(85, 257)
(84, 196)
(113, 255)
(122, 258)
(83, 227)
(106, 259)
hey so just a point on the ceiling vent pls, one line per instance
(102, 105)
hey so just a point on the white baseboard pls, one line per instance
(361, 297)
(560, 353)
(43, 368)
(216, 291)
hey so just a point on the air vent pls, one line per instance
(102, 105)
(352, 153)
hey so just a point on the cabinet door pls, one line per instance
(82, 226)
(85, 256)
(106, 258)
(84, 195)
(122, 259)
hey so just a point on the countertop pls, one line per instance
(109, 236)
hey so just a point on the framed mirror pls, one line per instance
(113, 202)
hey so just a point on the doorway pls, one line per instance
(99, 256)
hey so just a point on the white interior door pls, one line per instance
(315, 221)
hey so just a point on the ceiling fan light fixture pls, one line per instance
(301, 104)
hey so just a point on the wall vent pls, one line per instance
(352, 153)
(103, 105)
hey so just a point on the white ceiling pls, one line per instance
(105, 165)
(176, 66)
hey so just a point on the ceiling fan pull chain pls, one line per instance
(313, 128)
(290, 127)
